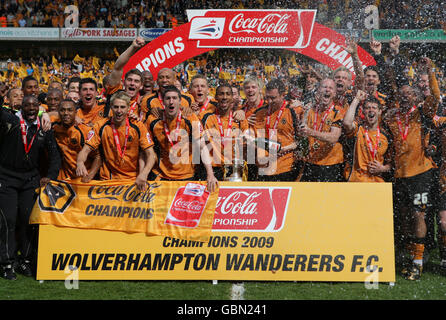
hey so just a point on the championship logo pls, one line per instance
(90, 135)
(252, 28)
(188, 206)
(210, 29)
(56, 197)
(206, 28)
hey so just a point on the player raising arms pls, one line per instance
(133, 79)
(322, 124)
(343, 77)
(408, 123)
(371, 156)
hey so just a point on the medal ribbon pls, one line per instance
(205, 105)
(268, 119)
(166, 128)
(373, 148)
(121, 151)
(324, 117)
(134, 105)
(245, 107)
(220, 126)
(23, 130)
(404, 132)
(161, 101)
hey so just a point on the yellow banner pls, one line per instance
(280, 232)
(182, 210)
(225, 75)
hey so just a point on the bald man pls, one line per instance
(154, 103)
(53, 99)
(148, 85)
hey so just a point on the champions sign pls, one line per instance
(177, 209)
(281, 232)
(207, 30)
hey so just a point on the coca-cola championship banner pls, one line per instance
(178, 209)
(253, 209)
(275, 232)
(207, 30)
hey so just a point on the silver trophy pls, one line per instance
(237, 165)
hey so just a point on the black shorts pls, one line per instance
(415, 193)
(200, 172)
(442, 202)
(219, 173)
(154, 177)
(317, 173)
(286, 176)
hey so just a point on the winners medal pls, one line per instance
(323, 119)
(371, 147)
(120, 161)
(319, 128)
(24, 139)
(166, 129)
(245, 107)
(268, 120)
(404, 131)
(205, 105)
(225, 138)
(134, 106)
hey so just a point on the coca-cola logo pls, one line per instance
(271, 23)
(187, 207)
(251, 209)
(124, 193)
(194, 206)
(252, 28)
(238, 202)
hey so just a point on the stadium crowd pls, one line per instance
(168, 13)
(286, 118)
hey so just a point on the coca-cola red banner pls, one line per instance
(188, 206)
(252, 28)
(259, 209)
(294, 30)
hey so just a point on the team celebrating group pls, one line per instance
(342, 130)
